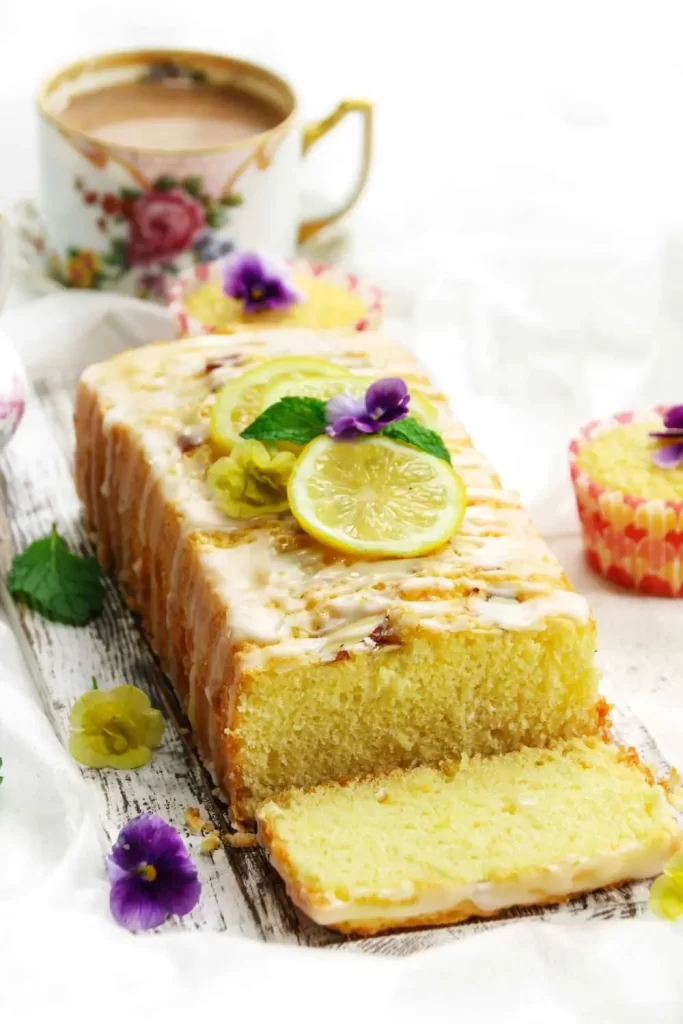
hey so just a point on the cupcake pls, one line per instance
(628, 478)
(250, 290)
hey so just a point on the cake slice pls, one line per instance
(471, 838)
(297, 664)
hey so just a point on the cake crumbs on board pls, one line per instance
(210, 844)
(241, 840)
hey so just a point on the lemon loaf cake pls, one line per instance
(471, 838)
(298, 664)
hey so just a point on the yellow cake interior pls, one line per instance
(620, 459)
(472, 837)
(485, 693)
(325, 304)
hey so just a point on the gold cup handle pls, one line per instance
(314, 132)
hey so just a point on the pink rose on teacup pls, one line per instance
(162, 225)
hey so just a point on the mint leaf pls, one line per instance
(93, 685)
(61, 586)
(412, 432)
(0, 767)
(298, 420)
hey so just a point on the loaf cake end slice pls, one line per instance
(471, 838)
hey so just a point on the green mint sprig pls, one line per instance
(410, 431)
(61, 586)
(301, 420)
(298, 420)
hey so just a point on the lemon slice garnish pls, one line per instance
(325, 388)
(312, 387)
(375, 497)
(239, 402)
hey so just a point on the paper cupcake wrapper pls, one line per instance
(190, 326)
(634, 542)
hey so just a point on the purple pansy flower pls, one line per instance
(385, 402)
(669, 456)
(258, 283)
(151, 873)
(673, 423)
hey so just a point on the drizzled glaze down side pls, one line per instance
(286, 596)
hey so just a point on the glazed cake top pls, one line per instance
(286, 595)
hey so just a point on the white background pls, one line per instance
(526, 213)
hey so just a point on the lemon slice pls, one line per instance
(238, 402)
(325, 387)
(311, 387)
(375, 497)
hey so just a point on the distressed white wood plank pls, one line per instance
(242, 894)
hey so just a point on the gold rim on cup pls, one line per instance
(239, 69)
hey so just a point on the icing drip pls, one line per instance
(576, 874)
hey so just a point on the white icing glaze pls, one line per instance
(534, 886)
(508, 613)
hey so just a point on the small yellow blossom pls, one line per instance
(252, 480)
(666, 894)
(114, 728)
(83, 268)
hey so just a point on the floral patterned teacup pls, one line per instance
(131, 217)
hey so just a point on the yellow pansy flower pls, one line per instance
(114, 728)
(252, 480)
(666, 894)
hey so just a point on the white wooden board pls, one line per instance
(241, 893)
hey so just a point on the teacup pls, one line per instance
(152, 161)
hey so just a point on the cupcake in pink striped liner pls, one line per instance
(251, 290)
(628, 481)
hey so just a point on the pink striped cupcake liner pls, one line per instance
(633, 542)
(186, 282)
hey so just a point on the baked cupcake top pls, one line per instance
(639, 458)
(248, 290)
